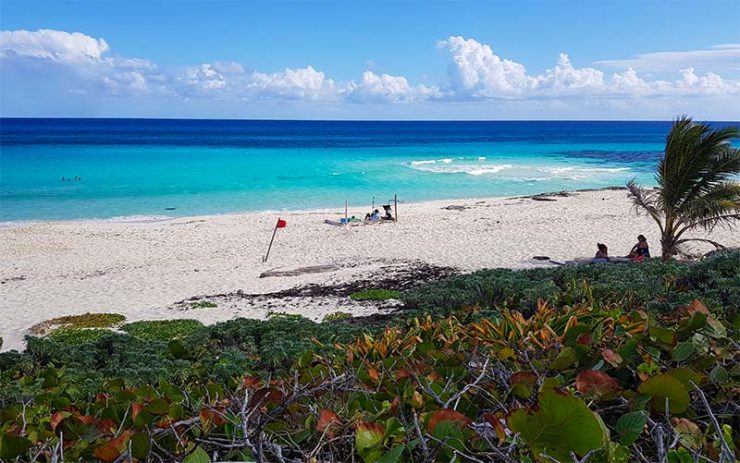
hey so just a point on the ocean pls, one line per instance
(138, 169)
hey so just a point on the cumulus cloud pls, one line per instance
(476, 72)
(48, 62)
(374, 87)
(302, 83)
(78, 59)
(52, 45)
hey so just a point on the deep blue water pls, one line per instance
(137, 167)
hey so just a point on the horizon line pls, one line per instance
(348, 120)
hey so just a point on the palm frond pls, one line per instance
(724, 165)
(645, 200)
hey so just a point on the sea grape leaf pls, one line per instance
(611, 357)
(689, 434)
(683, 351)
(718, 375)
(197, 456)
(368, 435)
(328, 422)
(679, 455)
(663, 335)
(439, 416)
(522, 383)
(12, 446)
(686, 376)
(391, 456)
(559, 425)
(595, 383)
(630, 426)
(565, 359)
(140, 445)
(666, 386)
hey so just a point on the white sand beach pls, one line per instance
(141, 270)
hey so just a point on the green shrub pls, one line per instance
(163, 330)
(654, 285)
(67, 335)
(203, 305)
(332, 317)
(87, 320)
(375, 295)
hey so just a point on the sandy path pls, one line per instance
(141, 269)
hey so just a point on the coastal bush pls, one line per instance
(653, 285)
(603, 383)
(203, 305)
(162, 330)
(87, 320)
(335, 316)
(375, 295)
(358, 388)
(66, 335)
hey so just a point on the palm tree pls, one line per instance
(697, 184)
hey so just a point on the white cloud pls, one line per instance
(52, 45)
(301, 83)
(718, 57)
(476, 71)
(77, 57)
(46, 62)
(387, 88)
(565, 77)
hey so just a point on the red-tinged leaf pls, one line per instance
(101, 397)
(163, 423)
(523, 377)
(611, 357)
(56, 418)
(136, 408)
(106, 425)
(697, 306)
(416, 400)
(264, 396)
(434, 376)
(522, 383)
(584, 338)
(106, 452)
(447, 415)
(689, 433)
(595, 383)
(395, 404)
(86, 419)
(373, 373)
(495, 422)
(402, 373)
(111, 450)
(251, 382)
(368, 435)
(328, 422)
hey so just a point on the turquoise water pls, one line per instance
(150, 169)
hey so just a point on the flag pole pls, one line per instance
(271, 240)
(395, 207)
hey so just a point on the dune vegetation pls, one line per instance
(617, 363)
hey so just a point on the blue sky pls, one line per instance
(365, 60)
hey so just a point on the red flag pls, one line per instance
(281, 223)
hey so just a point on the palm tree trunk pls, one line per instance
(668, 246)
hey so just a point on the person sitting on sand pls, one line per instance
(375, 215)
(602, 255)
(641, 250)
